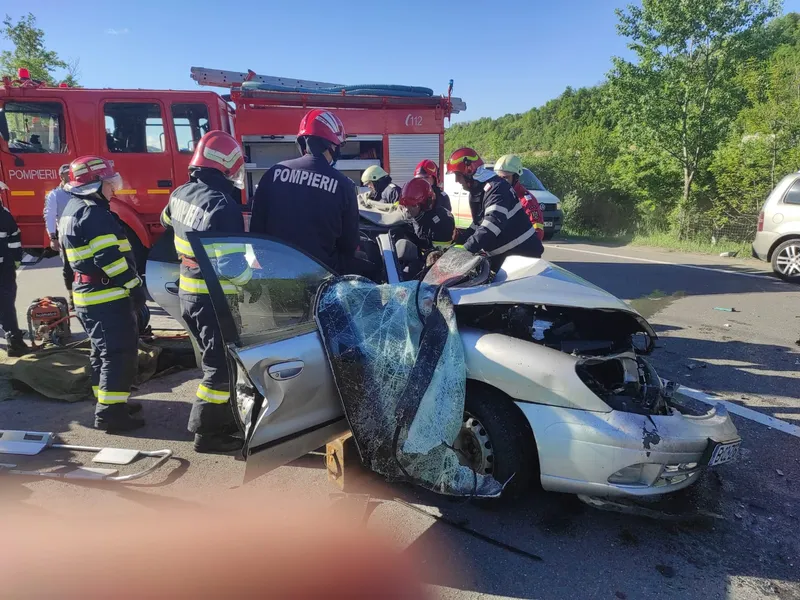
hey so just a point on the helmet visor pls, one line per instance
(237, 179)
(115, 181)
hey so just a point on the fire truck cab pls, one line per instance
(150, 135)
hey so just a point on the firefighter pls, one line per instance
(206, 203)
(327, 227)
(10, 259)
(428, 171)
(509, 167)
(499, 225)
(54, 204)
(380, 184)
(433, 224)
(107, 292)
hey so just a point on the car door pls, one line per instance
(284, 394)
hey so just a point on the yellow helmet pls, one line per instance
(510, 163)
(373, 173)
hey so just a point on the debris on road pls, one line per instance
(729, 254)
(779, 472)
(725, 309)
(728, 325)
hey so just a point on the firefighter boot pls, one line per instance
(133, 407)
(116, 418)
(218, 443)
(16, 347)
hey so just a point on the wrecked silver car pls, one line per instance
(557, 388)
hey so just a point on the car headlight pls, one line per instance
(558, 205)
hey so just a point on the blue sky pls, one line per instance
(501, 63)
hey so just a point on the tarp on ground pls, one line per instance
(65, 374)
(398, 363)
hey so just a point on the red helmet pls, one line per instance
(465, 161)
(323, 124)
(87, 174)
(219, 150)
(427, 168)
(417, 192)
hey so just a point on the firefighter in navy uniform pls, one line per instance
(380, 184)
(206, 203)
(10, 259)
(107, 292)
(310, 204)
(500, 227)
(433, 224)
(428, 171)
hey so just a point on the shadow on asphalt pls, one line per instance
(637, 280)
(747, 367)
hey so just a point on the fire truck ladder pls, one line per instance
(231, 79)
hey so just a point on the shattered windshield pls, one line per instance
(456, 266)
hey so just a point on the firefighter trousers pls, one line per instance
(112, 331)
(211, 411)
(8, 300)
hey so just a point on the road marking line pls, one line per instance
(672, 264)
(738, 409)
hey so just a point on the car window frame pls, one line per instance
(227, 324)
(788, 190)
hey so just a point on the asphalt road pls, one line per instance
(751, 550)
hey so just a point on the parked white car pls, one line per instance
(559, 390)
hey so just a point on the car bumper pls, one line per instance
(762, 243)
(556, 217)
(581, 451)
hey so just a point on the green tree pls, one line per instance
(30, 52)
(681, 94)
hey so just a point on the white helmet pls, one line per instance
(373, 173)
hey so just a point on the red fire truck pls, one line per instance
(150, 135)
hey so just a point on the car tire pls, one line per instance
(548, 235)
(786, 260)
(496, 439)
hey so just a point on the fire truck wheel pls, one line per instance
(139, 250)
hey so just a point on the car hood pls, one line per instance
(524, 280)
(545, 197)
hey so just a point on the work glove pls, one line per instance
(254, 288)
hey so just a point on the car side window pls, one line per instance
(793, 195)
(134, 127)
(283, 280)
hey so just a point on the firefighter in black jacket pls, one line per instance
(433, 224)
(107, 292)
(206, 203)
(10, 258)
(307, 202)
(500, 227)
(427, 170)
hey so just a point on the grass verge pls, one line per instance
(661, 240)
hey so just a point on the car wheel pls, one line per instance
(495, 439)
(786, 260)
(548, 235)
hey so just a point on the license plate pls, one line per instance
(548, 223)
(724, 453)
